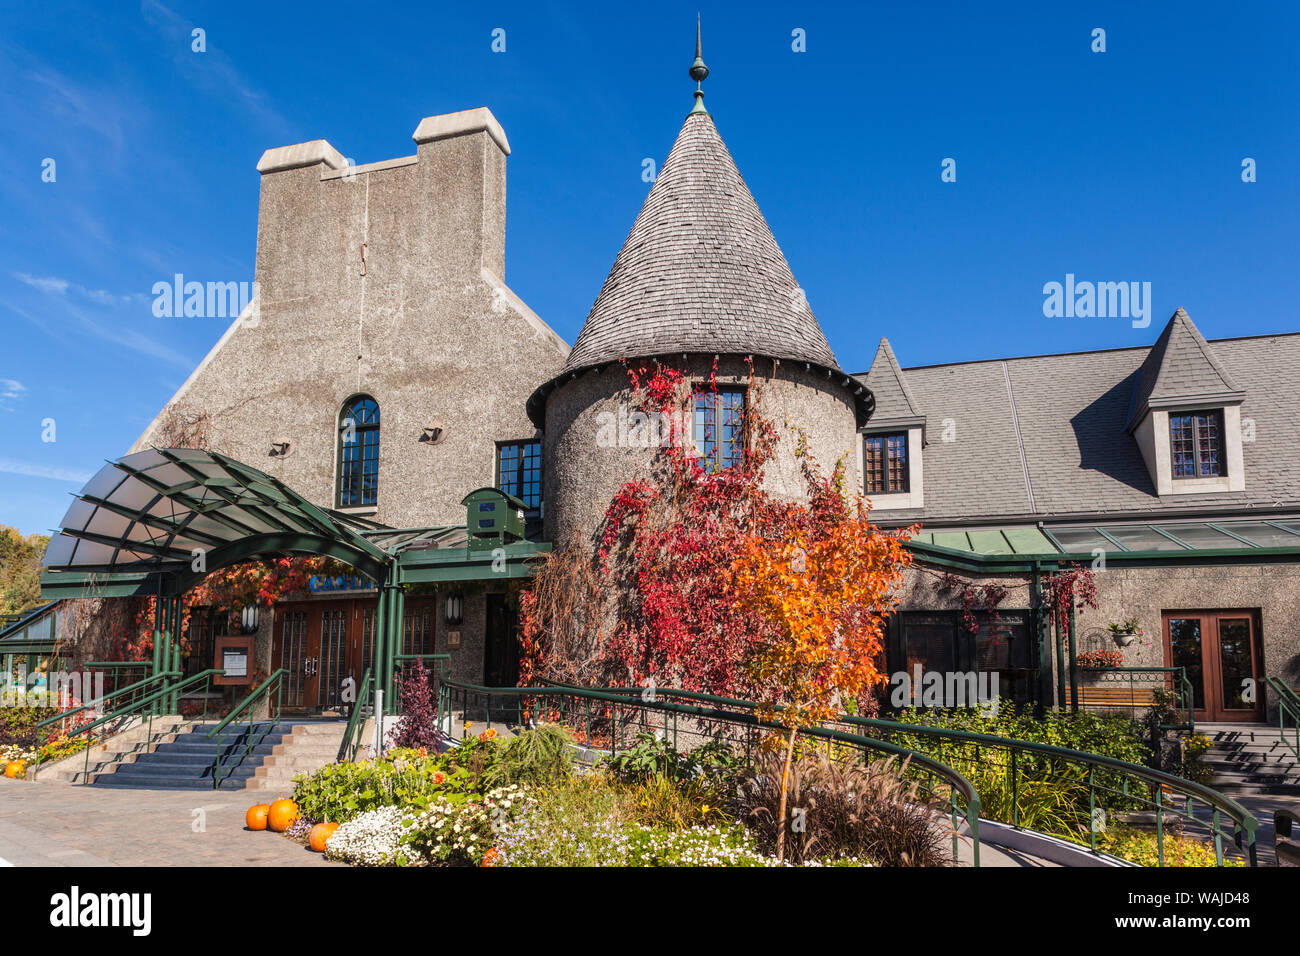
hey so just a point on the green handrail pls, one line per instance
(93, 704)
(1288, 705)
(348, 748)
(1245, 823)
(149, 699)
(263, 690)
(957, 783)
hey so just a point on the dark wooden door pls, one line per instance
(501, 648)
(1220, 651)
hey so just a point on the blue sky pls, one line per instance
(1115, 166)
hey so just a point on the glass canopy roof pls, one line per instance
(1175, 536)
(155, 510)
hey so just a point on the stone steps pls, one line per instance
(308, 748)
(1250, 759)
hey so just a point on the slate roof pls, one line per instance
(700, 271)
(1070, 414)
(1181, 367)
(894, 401)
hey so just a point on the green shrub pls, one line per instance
(540, 758)
(1141, 847)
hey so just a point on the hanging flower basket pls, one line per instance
(1100, 659)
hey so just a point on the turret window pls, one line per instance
(719, 427)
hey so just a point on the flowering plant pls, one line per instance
(1105, 659)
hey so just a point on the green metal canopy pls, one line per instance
(177, 513)
(33, 633)
(1152, 542)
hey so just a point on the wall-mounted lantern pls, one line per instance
(248, 618)
(280, 448)
(454, 608)
(432, 434)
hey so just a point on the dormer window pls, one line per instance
(884, 464)
(1196, 444)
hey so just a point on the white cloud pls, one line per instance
(11, 388)
(33, 470)
(49, 284)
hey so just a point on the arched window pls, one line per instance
(359, 453)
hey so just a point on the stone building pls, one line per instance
(385, 372)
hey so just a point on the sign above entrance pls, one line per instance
(321, 584)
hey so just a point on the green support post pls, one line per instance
(1074, 666)
(381, 647)
(1042, 622)
(175, 700)
(396, 616)
(158, 667)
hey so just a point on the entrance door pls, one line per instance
(1220, 650)
(291, 641)
(501, 649)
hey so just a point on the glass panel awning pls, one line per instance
(1173, 537)
(156, 511)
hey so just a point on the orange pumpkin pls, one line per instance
(255, 818)
(282, 815)
(320, 835)
(16, 769)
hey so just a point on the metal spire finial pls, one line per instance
(699, 72)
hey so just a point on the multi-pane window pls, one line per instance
(519, 471)
(719, 427)
(359, 453)
(884, 463)
(1196, 444)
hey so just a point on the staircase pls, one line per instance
(139, 739)
(1250, 759)
(186, 761)
(308, 747)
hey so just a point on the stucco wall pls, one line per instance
(429, 330)
(582, 472)
(1271, 589)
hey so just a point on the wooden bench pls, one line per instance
(1116, 695)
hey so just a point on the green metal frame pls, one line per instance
(261, 692)
(1288, 705)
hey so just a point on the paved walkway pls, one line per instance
(58, 824)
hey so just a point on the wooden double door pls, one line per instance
(323, 644)
(1222, 654)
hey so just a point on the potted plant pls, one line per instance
(1126, 633)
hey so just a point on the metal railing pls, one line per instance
(115, 720)
(350, 743)
(1288, 705)
(1013, 771)
(1141, 683)
(139, 688)
(608, 714)
(246, 737)
(117, 670)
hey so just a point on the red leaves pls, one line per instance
(668, 548)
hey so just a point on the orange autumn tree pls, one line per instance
(827, 597)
